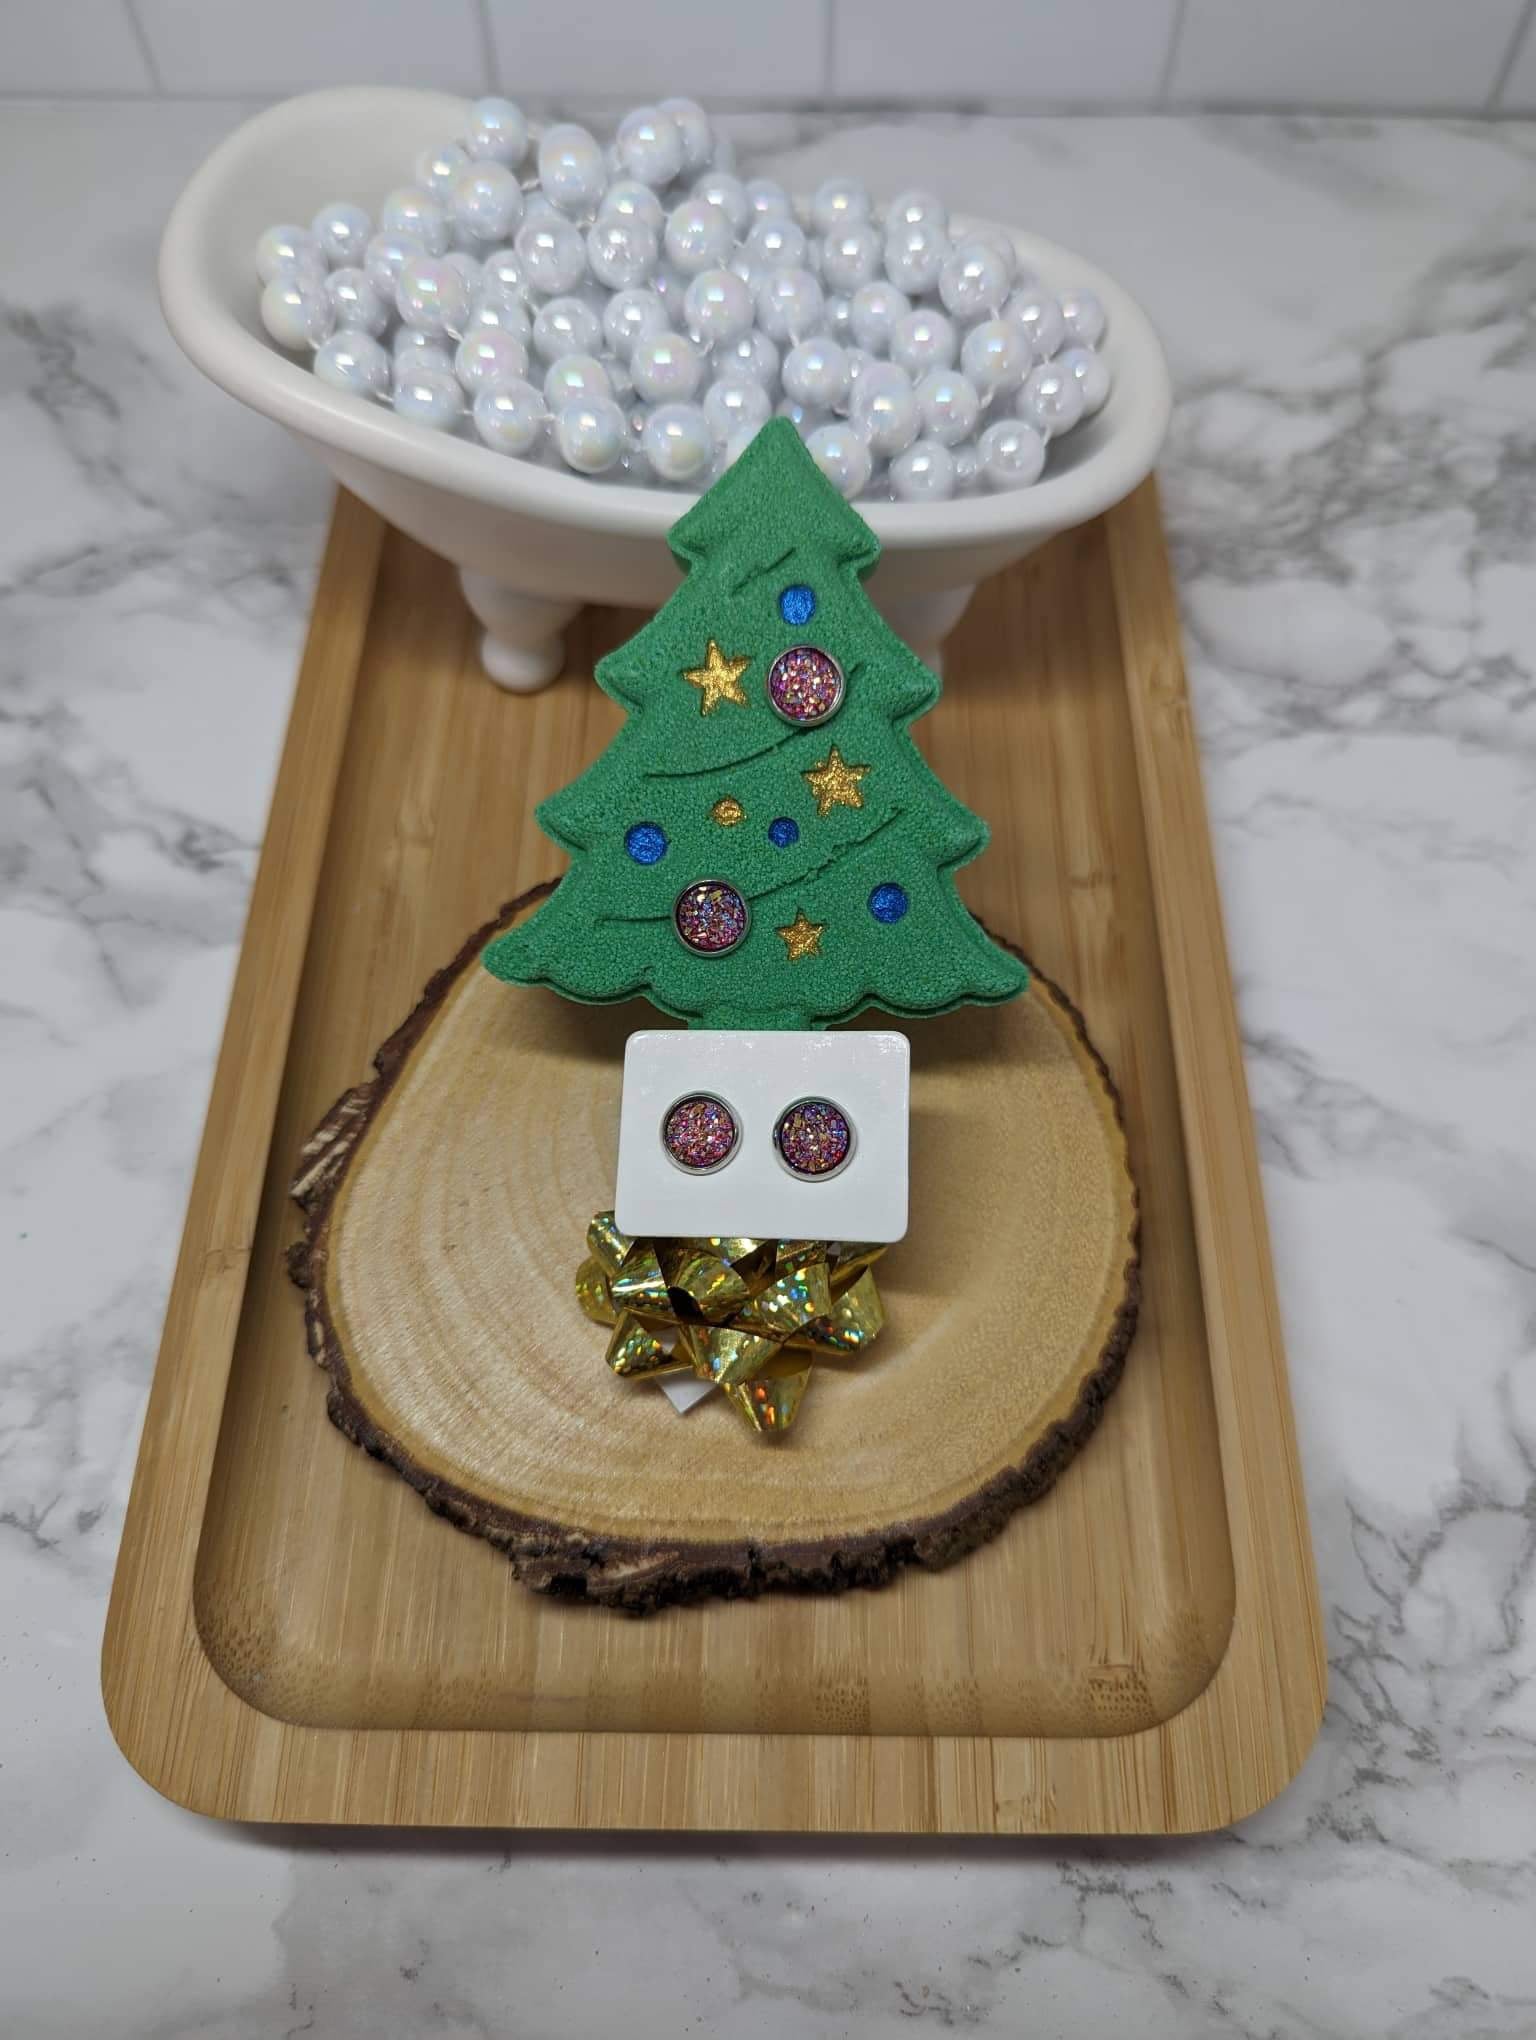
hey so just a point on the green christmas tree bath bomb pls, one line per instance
(762, 844)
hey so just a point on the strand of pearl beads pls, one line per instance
(638, 312)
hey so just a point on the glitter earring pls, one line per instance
(813, 1139)
(700, 1133)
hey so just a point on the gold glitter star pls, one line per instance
(802, 937)
(718, 679)
(834, 783)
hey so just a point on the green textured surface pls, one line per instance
(606, 933)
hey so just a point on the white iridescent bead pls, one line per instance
(1001, 244)
(510, 417)
(437, 168)
(432, 296)
(914, 256)
(286, 250)
(717, 307)
(728, 195)
(967, 467)
(1092, 376)
(671, 286)
(838, 203)
(575, 379)
(694, 131)
(571, 168)
(501, 270)
(948, 405)
(537, 207)
(1038, 317)
(973, 282)
(410, 210)
(916, 209)
(343, 232)
(754, 354)
(806, 418)
(486, 202)
(850, 257)
(768, 199)
(924, 339)
(667, 368)
(296, 310)
(354, 361)
(733, 402)
(553, 255)
(413, 350)
(995, 355)
(497, 131)
(838, 313)
(592, 434)
(469, 267)
(843, 458)
(677, 442)
(621, 253)
(385, 257)
(789, 304)
(649, 146)
(628, 199)
(428, 397)
(875, 313)
(698, 236)
(816, 372)
(566, 325)
(357, 305)
(925, 473)
(632, 315)
(860, 361)
(1051, 399)
(495, 311)
(1083, 317)
(486, 357)
(775, 243)
(1011, 453)
(885, 407)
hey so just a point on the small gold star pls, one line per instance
(718, 679)
(802, 937)
(834, 783)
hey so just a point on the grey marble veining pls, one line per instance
(1349, 487)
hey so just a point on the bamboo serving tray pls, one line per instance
(293, 1637)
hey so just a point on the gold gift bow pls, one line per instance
(747, 1315)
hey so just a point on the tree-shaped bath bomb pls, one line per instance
(762, 844)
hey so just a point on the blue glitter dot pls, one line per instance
(888, 903)
(797, 605)
(646, 842)
(783, 832)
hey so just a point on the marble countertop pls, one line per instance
(1347, 308)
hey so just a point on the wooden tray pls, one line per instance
(294, 1637)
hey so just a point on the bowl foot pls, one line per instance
(524, 644)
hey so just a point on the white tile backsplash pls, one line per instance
(278, 46)
(1306, 54)
(1342, 53)
(86, 46)
(1087, 52)
(636, 49)
(1519, 93)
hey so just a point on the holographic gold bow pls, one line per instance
(747, 1315)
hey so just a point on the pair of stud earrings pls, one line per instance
(813, 1137)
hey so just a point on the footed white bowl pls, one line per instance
(532, 545)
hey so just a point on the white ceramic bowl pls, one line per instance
(533, 545)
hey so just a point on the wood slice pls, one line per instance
(446, 1202)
